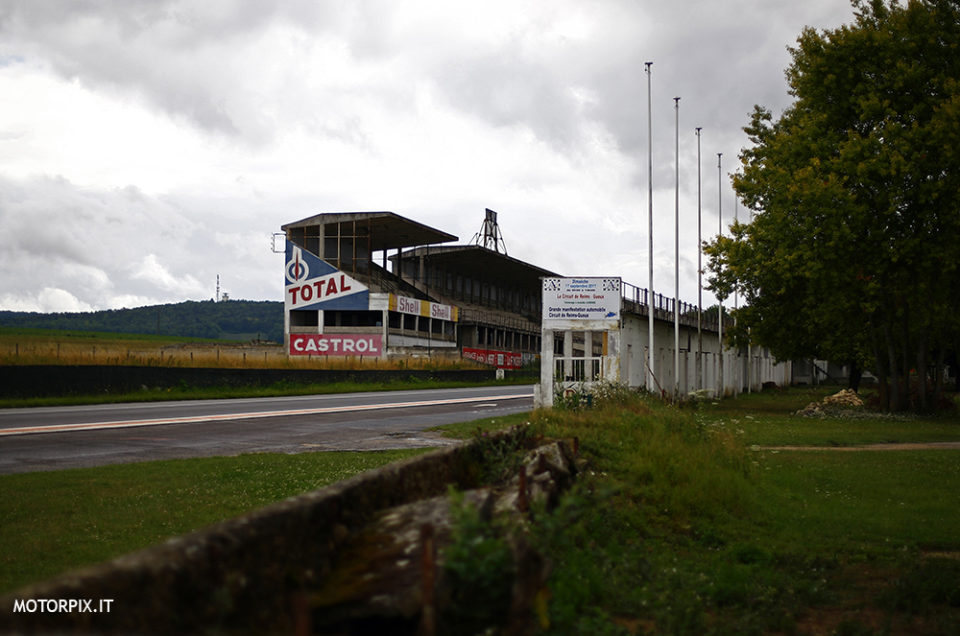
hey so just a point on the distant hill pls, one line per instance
(229, 319)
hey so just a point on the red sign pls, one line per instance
(499, 359)
(305, 344)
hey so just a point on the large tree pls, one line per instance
(854, 248)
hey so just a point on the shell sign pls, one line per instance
(424, 308)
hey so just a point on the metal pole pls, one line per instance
(736, 305)
(699, 270)
(676, 252)
(650, 355)
(750, 346)
(720, 300)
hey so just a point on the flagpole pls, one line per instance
(676, 253)
(699, 269)
(720, 300)
(650, 297)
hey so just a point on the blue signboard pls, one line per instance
(312, 283)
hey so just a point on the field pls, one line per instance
(51, 347)
(687, 520)
(46, 346)
(55, 521)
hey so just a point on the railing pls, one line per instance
(663, 307)
(577, 369)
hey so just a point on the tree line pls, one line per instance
(229, 320)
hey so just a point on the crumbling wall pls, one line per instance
(242, 575)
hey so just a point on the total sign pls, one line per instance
(312, 283)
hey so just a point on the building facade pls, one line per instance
(379, 284)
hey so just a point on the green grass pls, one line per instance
(680, 522)
(56, 521)
(275, 390)
(13, 334)
(467, 430)
(767, 419)
(871, 503)
(679, 527)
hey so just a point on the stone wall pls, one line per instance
(244, 574)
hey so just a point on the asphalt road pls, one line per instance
(70, 437)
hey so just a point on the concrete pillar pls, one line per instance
(545, 394)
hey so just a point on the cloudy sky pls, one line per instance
(148, 145)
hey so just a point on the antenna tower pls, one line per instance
(489, 235)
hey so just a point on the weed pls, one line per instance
(478, 570)
(501, 451)
(933, 581)
(677, 527)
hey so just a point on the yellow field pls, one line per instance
(31, 347)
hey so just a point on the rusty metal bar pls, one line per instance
(428, 569)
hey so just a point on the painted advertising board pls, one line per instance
(312, 283)
(499, 359)
(415, 307)
(305, 344)
(581, 303)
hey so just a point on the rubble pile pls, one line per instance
(846, 399)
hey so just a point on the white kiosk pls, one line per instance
(580, 335)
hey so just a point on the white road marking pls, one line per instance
(93, 426)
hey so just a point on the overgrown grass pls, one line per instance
(680, 527)
(467, 430)
(55, 521)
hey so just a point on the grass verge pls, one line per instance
(275, 390)
(679, 527)
(56, 521)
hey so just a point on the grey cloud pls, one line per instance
(504, 91)
(193, 59)
(99, 244)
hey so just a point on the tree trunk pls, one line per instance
(856, 373)
(938, 379)
(893, 365)
(906, 396)
(924, 405)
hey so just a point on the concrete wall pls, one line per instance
(740, 371)
(52, 380)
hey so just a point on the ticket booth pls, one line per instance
(580, 337)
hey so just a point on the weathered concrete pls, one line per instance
(378, 583)
(251, 574)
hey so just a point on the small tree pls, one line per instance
(854, 248)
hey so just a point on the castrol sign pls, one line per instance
(305, 344)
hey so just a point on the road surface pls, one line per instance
(54, 438)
